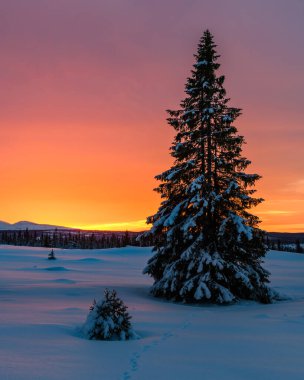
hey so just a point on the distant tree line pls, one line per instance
(288, 246)
(98, 240)
(71, 239)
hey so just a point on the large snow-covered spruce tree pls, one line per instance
(208, 247)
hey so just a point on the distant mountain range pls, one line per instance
(23, 225)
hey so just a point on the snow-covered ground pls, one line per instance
(43, 304)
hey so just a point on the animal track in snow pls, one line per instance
(134, 360)
(133, 366)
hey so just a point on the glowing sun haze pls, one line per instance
(84, 89)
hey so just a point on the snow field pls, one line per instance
(44, 303)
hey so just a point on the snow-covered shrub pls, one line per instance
(108, 319)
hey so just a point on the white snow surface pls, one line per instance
(42, 311)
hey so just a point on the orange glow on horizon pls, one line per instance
(136, 226)
(77, 190)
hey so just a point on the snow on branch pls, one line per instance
(240, 224)
(196, 184)
(173, 216)
(201, 63)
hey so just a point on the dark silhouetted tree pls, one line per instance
(299, 248)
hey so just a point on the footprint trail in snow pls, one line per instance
(135, 358)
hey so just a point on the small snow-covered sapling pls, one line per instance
(51, 255)
(108, 319)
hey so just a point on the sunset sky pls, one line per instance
(84, 89)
